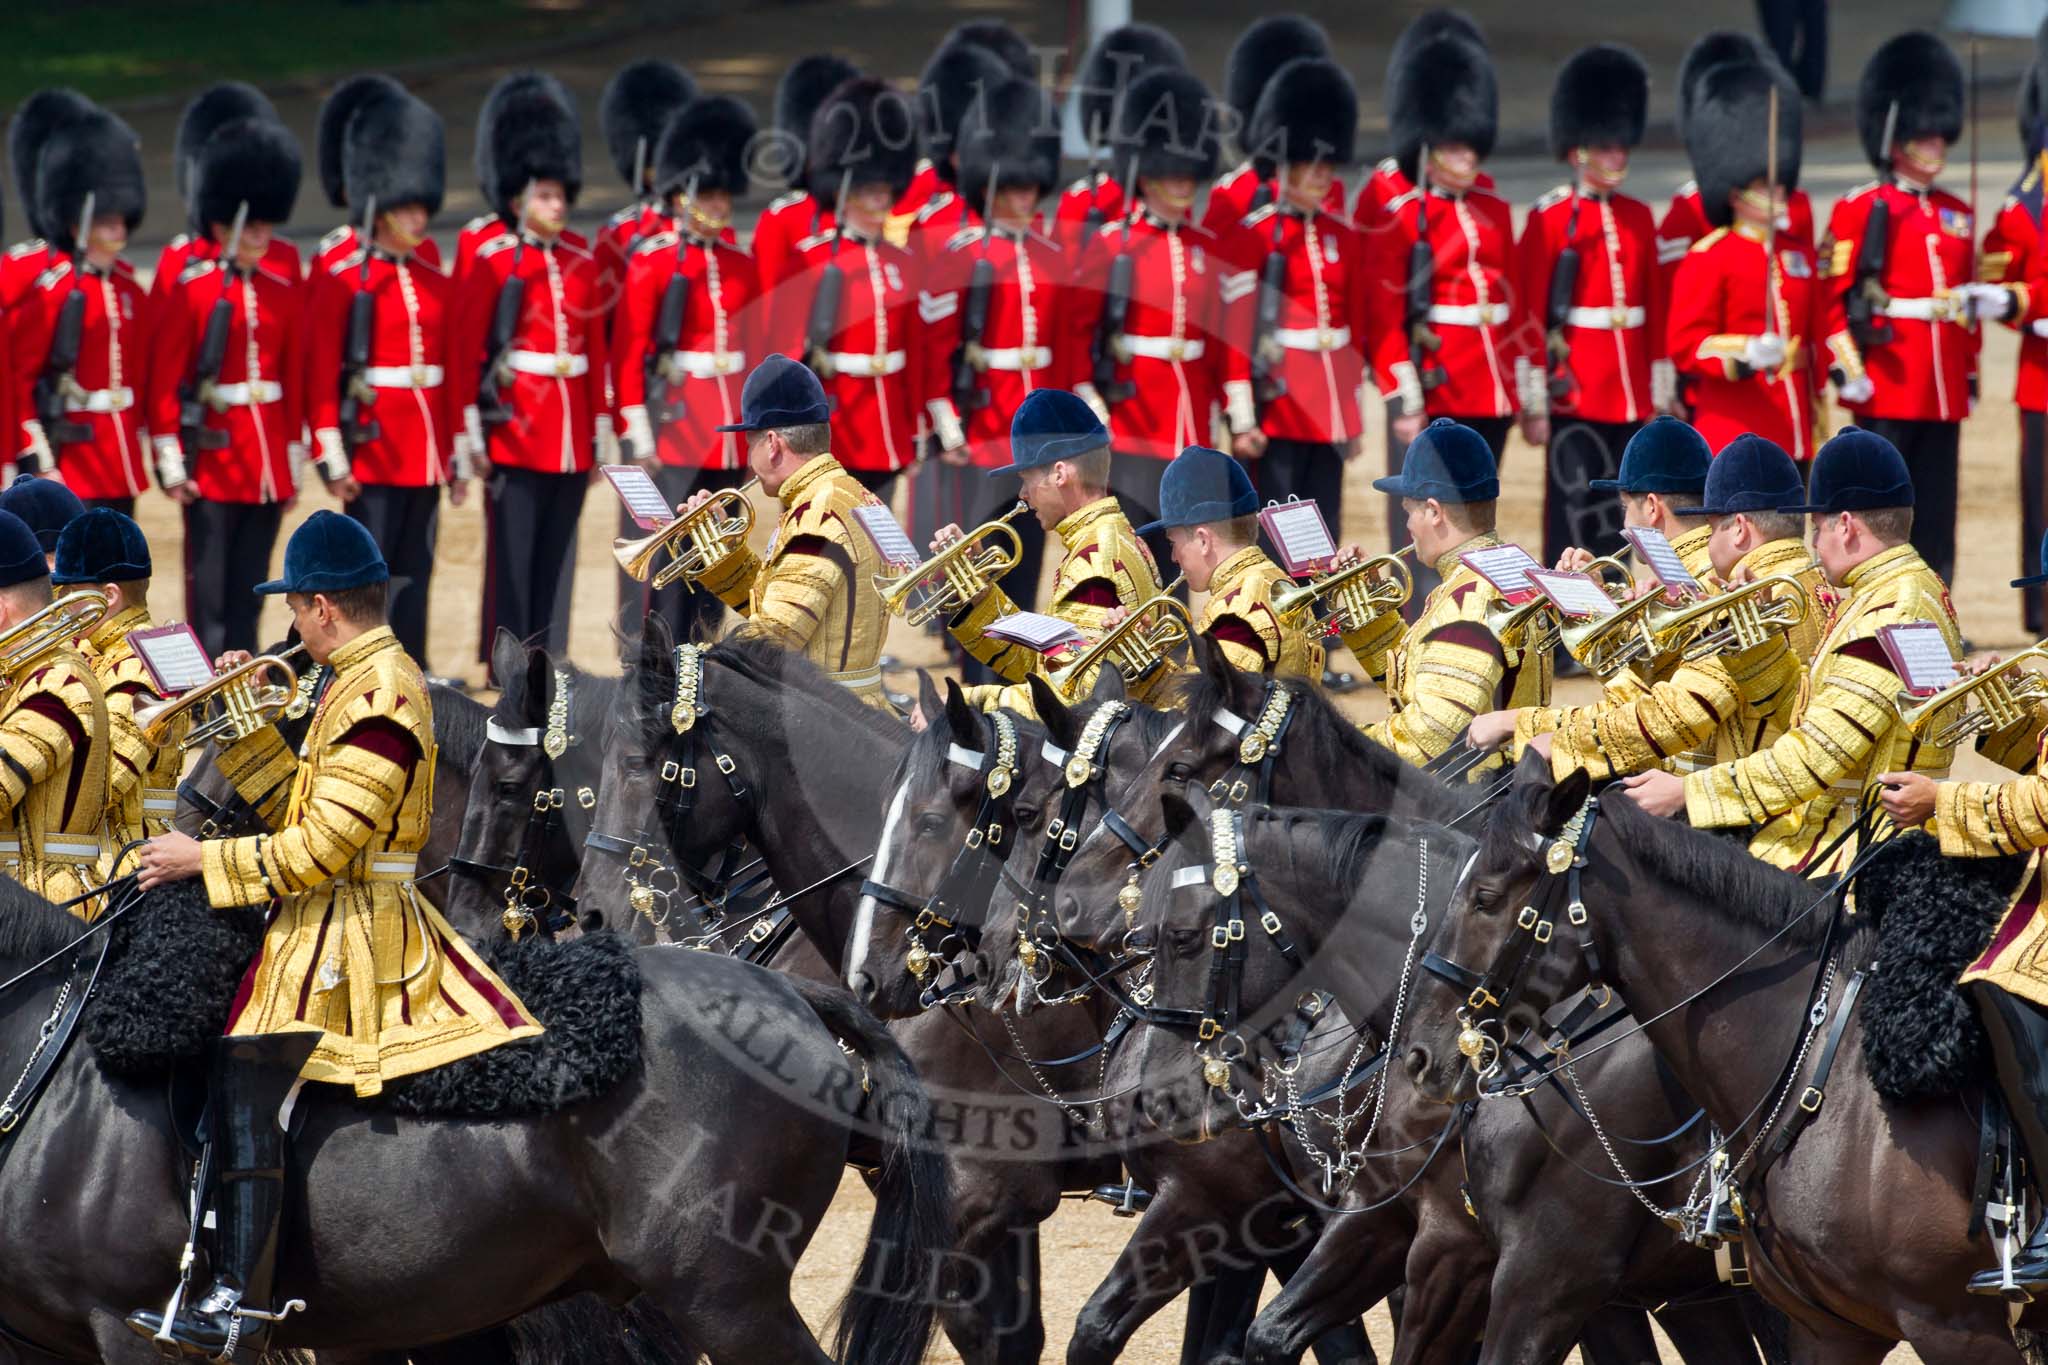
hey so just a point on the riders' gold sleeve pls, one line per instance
(1371, 643)
(260, 769)
(793, 596)
(1620, 690)
(732, 579)
(1986, 819)
(1239, 616)
(1669, 721)
(2017, 747)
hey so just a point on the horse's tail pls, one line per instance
(888, 1315)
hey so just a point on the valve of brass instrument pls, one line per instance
(1743, 617)
(1355, 596)
(1138, 645)
(698, 541)
(955, 576)
(247, 702)
(2005, 694)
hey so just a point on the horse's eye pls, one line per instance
(1179, 772)
(1180, 941)
(510, 789)
(1029, 816)
(929, 824)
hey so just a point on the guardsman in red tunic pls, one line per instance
(489, 225)
(1388, 181)
(637, 103)
(1588, 269)
(210, 109)
(227, 442)
(1908, 345)
(537, 394)
(78, 380)
(384, 435)
(1164, 366)
(867, 348)
(2016, 255)
(674, 391)
(1115, 59)
(1293, 385)
(794, 215)
(1266, 45)
(971, 60)
(1749, 366)
(329, 134)
(27, 131)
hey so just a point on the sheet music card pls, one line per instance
(176, 660)
(1655, 550)
(1577, 595)
(1920, 656)
(888, 534)
(1298, 531)
(641, 495)
(1507, 568)
(1034, 630)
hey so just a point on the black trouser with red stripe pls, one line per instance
(405, 522)
(227, 553)
(1931, 450)
(1310, 470)
(532, 550)
(2033, 517)
(1574, 513)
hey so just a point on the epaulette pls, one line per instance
(658, 242)
(53, 274)
(966, 237)
(1690, 187)
(1707, 242)
(794, 197)
(501, 242)
(334, 239)
(2032, 177)
(194, 269)
(1085, 185)
(481, 222)
(937, 204)
(1402, 200)
(1259, 215)
(1552, 199)
(27, 248)
(1865, 188)
(815, 239)
(179, 242)
(1387, 166)
(347, 263)
(626, 215)
(1111, 229)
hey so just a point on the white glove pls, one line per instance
(639, 431)
(1532, 386)
(473, 423)
(298, 456)
(1085, 391)
(946, 424)
(1984, 302)
(462, 461)
(170, 462)
(1664, 385)
(2039, 327)
(1239, 407)
(607, 443)
(35, 457)
(1857, 390)
(332, 462)
(1765, 352)
(1407, 391)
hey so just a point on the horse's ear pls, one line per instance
(1564, 800)
(657, 642)
(1109, 684)
(508, 657)
(1215, 665)
(928, 699)
(1053, 714)
(539, 678)
(961, 717)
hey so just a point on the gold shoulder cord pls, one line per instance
(1081, 764)
(302, 699)
(689, 682)
(556, 742)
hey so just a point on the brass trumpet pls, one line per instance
(245, 707)
(698, 541)
(956, 575)
(1753, 614)
(1357, 595)
(1137, 645)
(2004, 693)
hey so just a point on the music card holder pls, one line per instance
(1035, 630)
(1578, 596)
(1507, 568)
(176, 660)
(1920, 656)
(888, 534)
(1655, 550)
(1300, 535)
(642, 497)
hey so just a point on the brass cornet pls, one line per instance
(956, 575)
(1137, 645)
(1358, 594)
(245, 707)
(699, 540)
(1752, 612)
(2004, 692)
(1608, 644)
(1534, 626)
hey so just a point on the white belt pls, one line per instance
(868, 366)
(404, 376)
(101, 400)
(255, 393)
(1312, 338)
(1608, 319)
(1925, 310)
(1468, 314)
(859, 680)
(548, 364)
(159, 800)
(1018, 358)
(1163, 348)
(710, 364)
(386, 867)
(82, 849)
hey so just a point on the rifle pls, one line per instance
(1116, 308)
(1557, 308)
(662, 369)
(358, 427)
(1419, 288)
(196, 395)
(968, 392)
(58, 383)
(824, 320)
(505, 317)
(1266, 350)
(1866, 299)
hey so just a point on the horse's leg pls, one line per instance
(1450, 1278)
(1709, 1332)
(996, 1322)
(1951, 1343)
(1613, 1336)
(1220, 1308)
(1174, 1247)
(1357, 1261)
(738, 1333)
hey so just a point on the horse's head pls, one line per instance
(1491, 970)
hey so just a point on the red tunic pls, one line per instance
(413, 410)
(281, 260)
(1384, 186)
(1098, 194)
(1024, 344)
(1173, 348)
(557, 388)
(1617, 316)
(714, 350)
(1473, 302)
(1322, 329)
(2013, 255)
(1924, 372)
(783, 225)
(1717, 303)
(1685, 222)
(112, 353)
(1230, 198)
(259, 380)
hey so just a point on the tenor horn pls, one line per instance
(956, 575)
(698, 541)
(1137, 645)
(245, 706)
(2005, 693)
(1741, 618)
(68, 617)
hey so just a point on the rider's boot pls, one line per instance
(250, 1079)
(2018, 1030)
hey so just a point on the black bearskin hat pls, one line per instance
(1264, 47)
(1169, 124)
(99, 155)
(999, 38)
(637, 104)
(2033, 117)
(253, 161)
(1708, 51)
(864, 127)
(1728, 133)
(1428, 26)
(1917, 72)
(798, 94)
(1445, 92)
(526, 131)
(1308, 112)
(395, 151)
(210, 108)
(1601, 99)
(1119, 57)
(959, 75)
(40, 115)
(328, 129)
(706, 140)
(1010, 138)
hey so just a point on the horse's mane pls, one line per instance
(459, 721)
(30, 927)
(1336, 737)
(592, 699)
(771, 666)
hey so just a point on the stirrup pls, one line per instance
(1127, 1200)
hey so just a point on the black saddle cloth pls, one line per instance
(1934, 916)
(176, 963)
